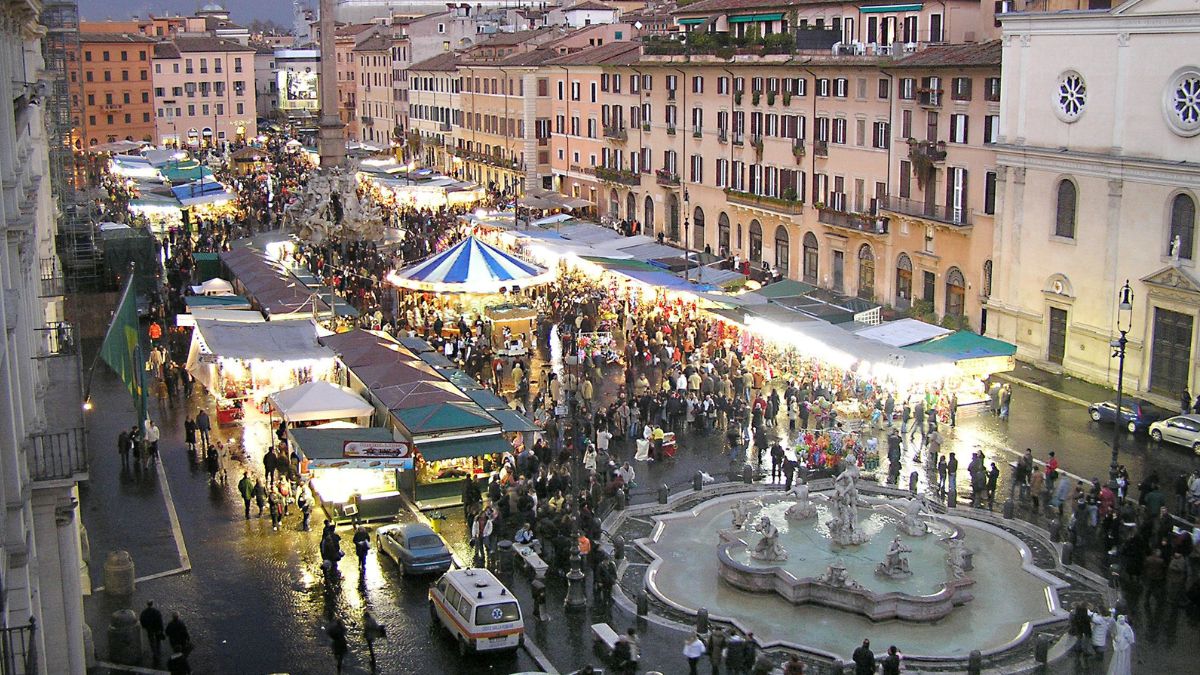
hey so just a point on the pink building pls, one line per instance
(203, 91)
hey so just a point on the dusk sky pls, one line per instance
(242, 11)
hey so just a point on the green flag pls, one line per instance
(121, 350)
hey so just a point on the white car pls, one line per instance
(1181, 430)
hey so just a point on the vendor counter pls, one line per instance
(374, 506)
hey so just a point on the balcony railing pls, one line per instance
(58, 455)
(616, 133)
(929, 98)
(798, 149)
(18, 649)
(53, 283)
(618, 176)
(57, 338)
(664, 177)
(860, 222)
(493, 160)
(444, 126)
(918, 209)
(780, 205)
(821, 148)
(928, 150)
(670, 94)
(722, 136)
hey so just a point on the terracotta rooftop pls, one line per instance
(727, 5)
(123, 38)
(589, 5)
(446, 61)
(514, 38)
(208, 44)
(353, 29)
(611, 54)
(375, 43)
(978, 54)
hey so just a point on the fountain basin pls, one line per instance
(811, 590)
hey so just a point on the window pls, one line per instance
(782, 245)
(960, 89)
(991, 128)
(1071, 96)
(866, 273)
(441, 28)
(908, 88)
(860, 132)
(697, 169)
(809, 261)
(991, 89)
(697, 84)
(956, 292)
(958, 128)
(723, 86)
(839, 130)
(881, 138)
(823, 87)
(904, 272)
(885, 88)
(906, 124)
(1064, 211)
(840, 87)
(1183, 226)
(989, 193)
(956, 194)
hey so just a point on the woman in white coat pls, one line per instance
(1123, 639)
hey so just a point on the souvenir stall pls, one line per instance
(420, 189)
(976, 358)
(513, 328)
(354, 471)
(241, 363)
(313, 403)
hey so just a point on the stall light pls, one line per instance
(87, 403)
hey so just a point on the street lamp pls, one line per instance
(1124, 322)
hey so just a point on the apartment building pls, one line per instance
(204, 91)
(114, 88)
(42, 456)
(345, 40)
(377, 116)
(1100, 131)
(434, 111)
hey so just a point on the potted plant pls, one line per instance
(754, 98)
(737, 96)
(787, 97)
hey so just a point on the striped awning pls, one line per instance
(470, 266)
(754, 18)
(888, 9)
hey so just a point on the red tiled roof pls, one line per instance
(446, 61)
(126, 38)
(375, 43)
(590, 5)
(209, 44)
(978, 54)
(727, 5)
(352, 29)
(613, 53)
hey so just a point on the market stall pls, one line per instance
(354, 470)
(316, 402)
(976, 358)
(240, 363)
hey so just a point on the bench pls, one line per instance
(605, 638)
(532, 560)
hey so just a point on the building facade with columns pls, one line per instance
(42, 456)
(1099, 182)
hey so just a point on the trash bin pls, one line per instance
(119, 573)
(124, 638)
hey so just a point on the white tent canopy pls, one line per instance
(215, 286)
(903, 332)
(272, 341)
(320, 401)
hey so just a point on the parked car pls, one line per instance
(1181, 430)
(415, 547)
(1136, 415)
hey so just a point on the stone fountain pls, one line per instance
(844, 529)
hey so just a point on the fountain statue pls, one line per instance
(895, 565)
(959, 557)
(741, 513)
(330, 206)
(768, 548)
(912, 524)
(843, 528)
(803, 509)
(835, 576)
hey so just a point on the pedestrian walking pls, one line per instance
(151, 621)
(177, 635)
(338, 643)
(151, 437)
(260, 496)
(269, 464)
(891, 662)
(212, 462)
(246, 490)
(203, 425)
(362, 545)
(693, 649)
(1123, 640)
(123, 445)
(189, 434)
(304, 503)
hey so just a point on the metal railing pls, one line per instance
(861, 222)
(821, 148)
(57, 339)
(58, 455)
(444, 126)
(18, 649)
(936, 212)
(53, 283)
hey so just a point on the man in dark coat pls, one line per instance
(864, 659)
(152, 622)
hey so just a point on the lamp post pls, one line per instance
(1124, 322)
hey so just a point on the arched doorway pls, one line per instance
(782, 254)
(723, 234)
(866, 272)
(904, 272)
(755, 241)
(614, 203)
(810, 259)
(672, 217)
(630, 207)
(956, 292)
(698, 229)
(648, 216)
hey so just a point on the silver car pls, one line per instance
(1181, 430)
(415, 547)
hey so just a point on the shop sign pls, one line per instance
(376, 449)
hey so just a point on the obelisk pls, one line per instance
(331, 145)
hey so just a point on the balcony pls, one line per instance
(670, 94)
(616, 133)
(18, 649)
(859, 222)
(367, 120)
(670, 129)
(722, 136)
(620, 176)
(53, 283)
(543, 142)
(779, 205)
(444, 126)
(58, 455)
(798, 149)
(667, 178)
(821, 148)
(55, 338)
(929, 98)
(931, 152)
(929, 212)
(493, 160)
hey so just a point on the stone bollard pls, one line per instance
(620, 501)
(618, 543)
(89, 647)
(1068, 549)
(698, 482)
(912, 482)
(643, 603)
(663, 493)
(747, 474)
(1041, 648)
(125, 638)
(504, 563)
(119, 574)
(1055, 528)
(975, 662)
(1009, 509)
(951, 499)
(702, 621)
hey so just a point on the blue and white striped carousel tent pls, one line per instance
(470, 266)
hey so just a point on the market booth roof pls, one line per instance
(320, 401)
(444, 417)
(416, 394)
(903, 332)
(325, 448)
(270, 341)
(964, 344)
(476, 446)
(470, 266)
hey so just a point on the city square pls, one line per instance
(744, 336)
